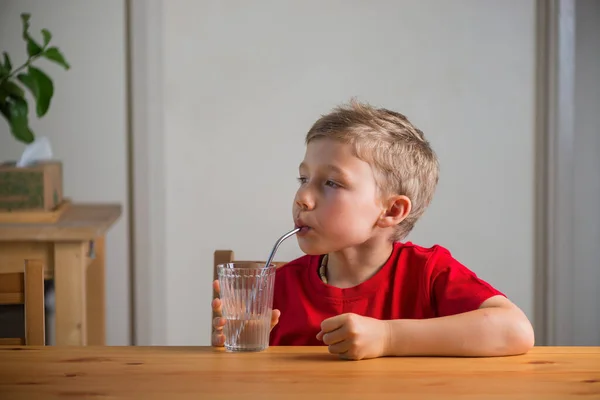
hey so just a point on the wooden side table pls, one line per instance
(72, 250)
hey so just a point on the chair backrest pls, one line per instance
(227, 256)
(26, 288)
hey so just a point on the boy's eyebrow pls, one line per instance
(330, 167)
(336, 169)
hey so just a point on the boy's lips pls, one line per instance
(303, 227)
(303, 230)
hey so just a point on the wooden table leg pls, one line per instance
(96, 314)
(70, 290)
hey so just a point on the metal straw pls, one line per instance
(262, 272)
(281, 239)
(272, 255)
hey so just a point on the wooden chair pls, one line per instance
(26, 288)
(227, 256)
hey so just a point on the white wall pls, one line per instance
(243, 82)
(87, 121)
(586, 225)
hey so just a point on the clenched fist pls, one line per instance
(355, 337)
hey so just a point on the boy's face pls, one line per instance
(337, 203)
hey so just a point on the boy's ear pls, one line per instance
(398, 208)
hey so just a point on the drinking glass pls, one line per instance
(247, 303)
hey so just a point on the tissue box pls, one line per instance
(37, 187)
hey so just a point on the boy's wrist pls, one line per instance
(388, 338)
(401, 335)
(394, 338)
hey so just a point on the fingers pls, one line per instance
(333, 323)
(217, 306)
(216, 286)
(219, 323)
(275, 318)
(216, 303)
(335, 336)
(218, 339)
(340, 348)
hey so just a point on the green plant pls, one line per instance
(13, 104)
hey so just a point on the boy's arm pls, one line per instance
(491, 327)
(497, 328)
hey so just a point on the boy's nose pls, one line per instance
(304, 200)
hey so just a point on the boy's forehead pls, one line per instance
(328, 148)
(332, 155)
(321, 152)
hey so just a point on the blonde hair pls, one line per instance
(403, 161)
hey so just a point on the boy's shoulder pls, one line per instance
(426, 262)
(422, 251)
(432, 257)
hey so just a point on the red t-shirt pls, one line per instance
(415, 283)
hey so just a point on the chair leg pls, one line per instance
(35, 330)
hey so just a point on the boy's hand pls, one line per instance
(218, 338)
(354, 337)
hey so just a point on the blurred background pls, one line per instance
(191, 114)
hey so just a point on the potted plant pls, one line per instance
(38, 187)
(13, 104)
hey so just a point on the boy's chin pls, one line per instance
(311, 249)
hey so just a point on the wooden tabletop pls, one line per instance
(79, 222)
(290, 373)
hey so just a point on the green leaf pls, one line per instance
(15, 111)
(5, 67)
(40, 86)
(7, 63)
(25, 17)
(54, 54)
(47, 36)
(33, 49)
(9, 88)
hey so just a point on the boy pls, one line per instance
(367, 177)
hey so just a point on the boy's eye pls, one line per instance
(334, 185)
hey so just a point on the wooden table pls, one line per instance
(72, 250)
(290, 373)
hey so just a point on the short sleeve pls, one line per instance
(456, 289)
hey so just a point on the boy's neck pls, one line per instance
(353, 266)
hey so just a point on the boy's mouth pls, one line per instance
(303, 227)
(303, 230)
